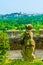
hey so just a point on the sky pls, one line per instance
(23, 6)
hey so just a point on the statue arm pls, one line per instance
(23, 37)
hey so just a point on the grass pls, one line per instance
(20, 62)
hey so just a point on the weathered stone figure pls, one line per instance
(28, 44)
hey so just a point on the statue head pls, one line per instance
(29, 33)
(29, 27)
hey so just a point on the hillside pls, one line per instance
(19, 20)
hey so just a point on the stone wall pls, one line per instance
(15, 38)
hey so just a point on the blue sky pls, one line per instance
(24, 6)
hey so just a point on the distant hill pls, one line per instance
(14, 15)
(19, 21)
(10, 15)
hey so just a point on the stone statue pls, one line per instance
(28, 44)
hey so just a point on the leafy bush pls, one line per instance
(4, 46)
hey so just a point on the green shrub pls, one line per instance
(4, 46)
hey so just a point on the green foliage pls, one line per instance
(37, 25)
(4, 46)
(20, 62)
(20, 22)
